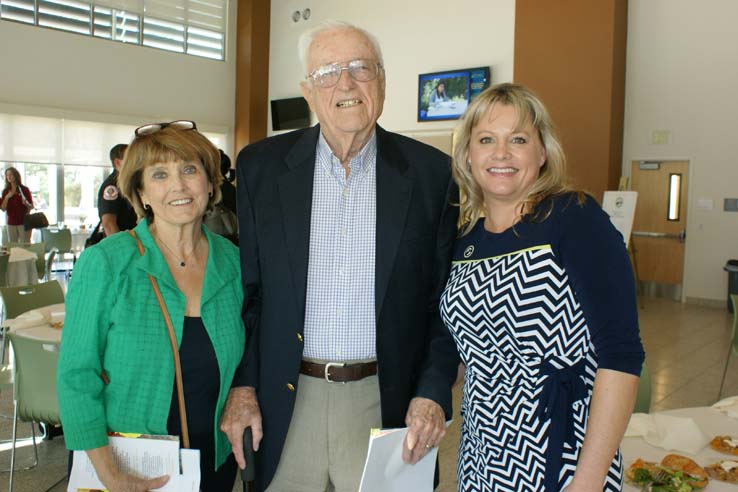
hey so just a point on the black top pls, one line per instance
(201, 381)
(111, 201)
(592, 253)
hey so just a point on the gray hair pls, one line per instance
(307, 38)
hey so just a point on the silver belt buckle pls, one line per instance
(333, 364)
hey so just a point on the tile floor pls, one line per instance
(686, 348)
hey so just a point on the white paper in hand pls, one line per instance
(384, 470)
(144, 458)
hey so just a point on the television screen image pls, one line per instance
(289, 114)
(445, 95)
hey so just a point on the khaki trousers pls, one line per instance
(18, 234)
(328, 437)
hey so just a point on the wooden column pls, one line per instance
(252, 71)
(572, 54)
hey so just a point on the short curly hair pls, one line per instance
(165, 145)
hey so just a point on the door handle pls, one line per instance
(662, 235)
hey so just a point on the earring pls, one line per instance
(210, 194)
(147, 207)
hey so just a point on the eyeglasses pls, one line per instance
(155, 127)
(359, 70)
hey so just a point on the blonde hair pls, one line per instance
(165, 145)
(552, 175)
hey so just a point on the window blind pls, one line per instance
(194, 27)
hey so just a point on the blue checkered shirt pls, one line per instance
(340, 322)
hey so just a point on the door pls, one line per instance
(659, 225)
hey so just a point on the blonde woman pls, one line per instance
(541, 303)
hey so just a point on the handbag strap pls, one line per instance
(175, 349)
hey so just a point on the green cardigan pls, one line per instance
(113, 322)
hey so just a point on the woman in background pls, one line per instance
(541, 301)
(439, 94)
(114, 328)
(16, 201)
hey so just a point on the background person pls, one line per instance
(16, 201)
(439, 94)
(114, 323)
(339, 280)
(541, 301)
(115, 211)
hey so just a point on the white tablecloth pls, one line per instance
(22, 267)
(36, 323)
(712, 422)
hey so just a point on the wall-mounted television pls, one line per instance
(291, 113)
(445, 95)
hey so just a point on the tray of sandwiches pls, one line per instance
(677, 473)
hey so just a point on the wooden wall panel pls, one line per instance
(252, 71)
(572, 53)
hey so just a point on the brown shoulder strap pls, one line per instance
(175, 349)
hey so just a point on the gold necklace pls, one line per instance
(182, 262)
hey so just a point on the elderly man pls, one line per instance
(346, 234)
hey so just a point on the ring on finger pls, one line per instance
(428, 446)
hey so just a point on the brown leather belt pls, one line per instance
(339, 372)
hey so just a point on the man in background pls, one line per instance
(116, 214)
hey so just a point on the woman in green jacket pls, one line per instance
(114, 328)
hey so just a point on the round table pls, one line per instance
(711, 421)
(22, 267)
(36, 323)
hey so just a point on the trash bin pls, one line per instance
(732, 268)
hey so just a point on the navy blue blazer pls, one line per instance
(416, 228)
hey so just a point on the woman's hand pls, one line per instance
(116, 481)
(129, 483)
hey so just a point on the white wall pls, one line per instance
(682, 74)
(54, 73)
(417, 36)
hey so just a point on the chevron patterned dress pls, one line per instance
(530, 360)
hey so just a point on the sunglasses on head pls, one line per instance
(150, 128)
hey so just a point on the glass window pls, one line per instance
(18, 10)
(41, 179)
(64, 162)
(127, 27)
(194, 27)
(65, 15)
(81, 184)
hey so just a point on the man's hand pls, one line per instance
(241, 411)
(426, 427)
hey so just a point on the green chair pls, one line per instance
(18, 300)
(733, 345)
(49, 262)
(35, 397)
(61, 239)
(6, 388)
(4, 269)
(643, 397)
